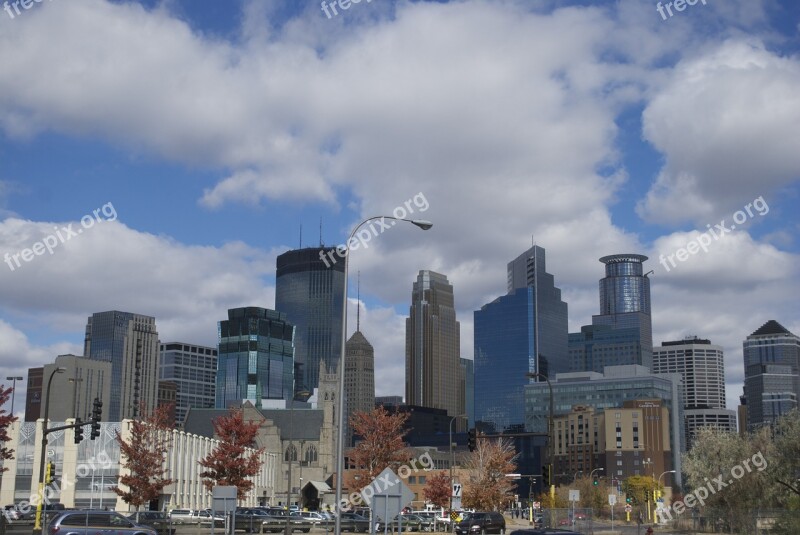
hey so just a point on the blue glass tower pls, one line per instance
(256, 357)
(522, 332)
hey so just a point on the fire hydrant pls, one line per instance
(649, 531)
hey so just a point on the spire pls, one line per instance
(301, 236)
(358, 302)
(320, 232)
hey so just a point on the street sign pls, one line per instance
(612, 499)
(574, 495)
(628, 508)
(456, 490)
(388, 502)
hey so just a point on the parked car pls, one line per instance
(481, 522)
(544, 531)
(251, 519)
(406, 522)
(158, 520)
(353, 522)
(93, 522)
(428, 520)
(316, 518)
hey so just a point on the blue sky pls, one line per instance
(217, 129)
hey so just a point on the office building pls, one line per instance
(609, 390)
(702, 368)
(519, 333)
(130, 343)
(359, 377)
(771, 373)
(433, 348)
(468, 388)
(193, 369)
(73, 391)
(255, 358)
(309, 290)
(624, 312)
(388, 401)
(33, 394)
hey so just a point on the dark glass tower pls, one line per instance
(771, 373)
(130, 343)
(522, 332)
(309, 289)
(625, 304)
(256, 357)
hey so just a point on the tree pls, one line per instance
(231, 463)
(143, 456)
(381, 445)
(784, 466)
(437, 491)
(487, 487)
(5, 420)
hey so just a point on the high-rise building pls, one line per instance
(33, 394)
(468, 368)
(622, 333)
(433, 348)
(193, 368)
(309, 289)
(771, 373)
(130, 343)
(517, 334)
(702, 368)
(256, 358)
(359, 377)
(73, 391)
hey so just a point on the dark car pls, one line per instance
(354, 522)
(482, 522)
(158, 520)
(93, 522)
(544, 531)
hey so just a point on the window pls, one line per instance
(290, 451)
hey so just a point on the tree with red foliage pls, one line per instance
(231, 463)
(381, 445)
(438, 489)
(143, 457)
(5, 420)
(487, 488)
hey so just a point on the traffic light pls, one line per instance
(97, 413)
(472, 440)
(546, 475)
(595, 482)
(78, 431)
(628, 499)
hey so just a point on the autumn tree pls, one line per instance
(487, 488)
(6, 453)
(437, 491)
(235, 459)
(381, 445)
(143, 456)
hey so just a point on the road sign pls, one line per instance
(628, 508)
(456, 490)
(537, 505)
(394, 496)
(574, 495)
(612, 499)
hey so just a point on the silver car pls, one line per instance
(94, 523)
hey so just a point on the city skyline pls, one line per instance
(168, 183)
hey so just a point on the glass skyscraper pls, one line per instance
(193, 369)
(256, 357)
(771, 373)
(309, 290)
(130, 342)
(510, 333)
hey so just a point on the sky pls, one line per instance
(156, 157)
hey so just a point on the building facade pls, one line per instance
(771, 374)
(255, 358)
(433, 347)
(193, 368)
(468, 369)
(701, 366)
(74, 390)
(130, 343)
(309, 289)
(359, 378)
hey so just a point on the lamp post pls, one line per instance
(13, 390)
(658, 486)
(424, 225)
(452, 462)
(37, 528)
(591, 474)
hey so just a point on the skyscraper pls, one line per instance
(771, 373)
(522, 332)
(309, 290)
(433, 346)
(130, 342)
(256, 357)
(702, 369)
(359, 377)
(193, 368)
(622, 333)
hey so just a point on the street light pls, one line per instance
(424, 225)
(452, 462)
(13, 390)
(658, 485)
(38, 524)
(591, 474)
